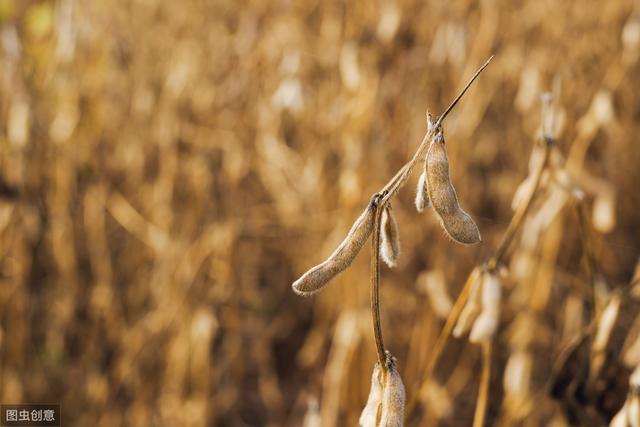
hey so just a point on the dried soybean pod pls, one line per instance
(471, 309)
(422, 196)
(442, 196)
(317, 277)
(485, 325)
(390, 237)
(371, 412)
(393, 396)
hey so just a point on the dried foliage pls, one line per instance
(168, 169)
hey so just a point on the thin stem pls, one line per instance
(588, 255)
(401, 177)
(442, 339)
(375, 286)
(483, 392)
(452, 319)
(521, 212)
(461, 94)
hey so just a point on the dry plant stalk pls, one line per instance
(454, 221)
(378, 218)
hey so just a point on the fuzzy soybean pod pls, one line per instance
(443, 198)
(393, 396)
(484, 327)
(422, 194)
(372, 410)
(390, 237)
(317, 277)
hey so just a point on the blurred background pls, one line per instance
(169, 168)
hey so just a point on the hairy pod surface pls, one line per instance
(393, 396)
(443, 198)
(422, 194)
(390, 238)
(317, 277)
(372, 410)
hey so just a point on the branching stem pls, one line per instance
(383, 197)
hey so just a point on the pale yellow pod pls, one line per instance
(372, 410)
(491, 292)
(390, 237)
(484, 327)
(471, 309)
(443, 198)
(317, 277)
(393, 397)
(422, 194)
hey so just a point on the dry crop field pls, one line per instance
(169, 169)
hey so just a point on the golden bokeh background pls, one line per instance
(169, 168)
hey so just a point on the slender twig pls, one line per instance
(483, 391)
(442, 339)
(401, 177)
(590, 262)
(547, 127)
(521, 212)
(375, 285)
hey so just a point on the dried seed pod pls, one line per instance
(390, 237)
(393, 396)
(535, 162)
(517, 374)
(317, 277)
(472, 307)
(606, 324)
(312, 417)
(372, 410)
(486, 324)
(433, 283)
(491, 292)
(604, 213)
(484, 327)
(442, 196)
(620, 419)
(422, 194)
